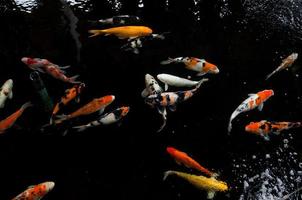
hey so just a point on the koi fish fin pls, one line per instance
(260, 107)
(166, 86)
(211, 195)
(265, 137)
(80, 128)
(251, 94)
(73, 80)
(177, 162)
(26, 105)
(10, 95)
(172, 108)
(40, 70)
(200, 74)
(168, 61)
(145, 93)
(201, 82)
(64, 67)
(215, 175)
(96, 33)
(2, 105)
(65, 132)
(268, 76)
(61, 118)
(101, 111)
(277, 132)
(167, 173)
(51, 119)
(163, 125)
(77, 99)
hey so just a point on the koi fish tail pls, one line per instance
(96, 32)
(168, 173)
(26, 105)
(166, 62)
(73, 80)
(80, 128)
(268, 76)
(234, 114)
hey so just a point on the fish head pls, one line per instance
(49, 186)
(9, 83)
(28, 61)
(149, 79)
(253, 127)
(211, 68)
(43, 188)
(106, 100)
(265, 94)
(294, 56)
(148, 31)
(125, 110)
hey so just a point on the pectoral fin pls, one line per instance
(77, 99)
(101, 111)
(166, 86)
(251, 94)
(145, 93)
(211, 195)
(201, 74)
(260, 107)
(172, 108)
(10, 95)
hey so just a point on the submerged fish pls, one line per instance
(287, 62)
(264, 127)
(45, 66)
(254, 101)
(106, 119)
(36, 192)
(120, 20)
(70, 94)
(10, 120)
(183, 158)
(211, 185)
(176, 81)
(123, 32)
(95, 105)
(194, 64)
(6, 91)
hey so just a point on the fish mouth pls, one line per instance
(24, 60)
(50, 185)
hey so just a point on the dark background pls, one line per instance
(127, 162)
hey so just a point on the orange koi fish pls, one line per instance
(264, 127)
(124, 32)
(194, 64)
(36, 192)
(70, 94)
(95, 105)
(183, 158)
(45, 66)
(254, 101)
(10, 120)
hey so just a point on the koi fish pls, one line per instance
(211, 185)
(10, 120)
(287, 62)
(153, 88)
(45, 66)
(194, 64)
(176, 81)
(120, 20)
(95, 105)
(36, 192)
(254, 101)
(106, 119)
(70, 94)
(123, 32)
(6, 91)
(264, 127)
(183, 158)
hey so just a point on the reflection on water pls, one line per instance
(26, 5)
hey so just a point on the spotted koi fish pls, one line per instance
(254, 101)
(95, 105)
(45, 66)
(36, 192)
(264, 127)
(6, 91)
(195, 64)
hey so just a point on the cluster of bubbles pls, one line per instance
(140, 4)
(224, 8)
(271, 176)
(81, 4)
(196, 10)
(116, 5)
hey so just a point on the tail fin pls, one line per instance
(167, 173)
(230, 127)
(163, 125)
(166, 62)
(26, 105)
(80, 128)
(95, 32)
(201, 82)
(73, 79)
(268, 76)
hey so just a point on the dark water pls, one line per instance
(246, 39)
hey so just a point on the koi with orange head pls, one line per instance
(109, 118)
(194, 64)
(36, 192)
(252, 102)
(95, 105)
(124, 32)
(264, 128)
(183, 158)
(10, 120)
(70, 94)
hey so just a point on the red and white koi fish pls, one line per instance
(6, 91)
(183, 158)
(36, 192)
(106, 119)
(264, 128)
(194, 64)
(95, 105)
(45, 66)
(254, 101)
(10, 120)
(287, 62)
